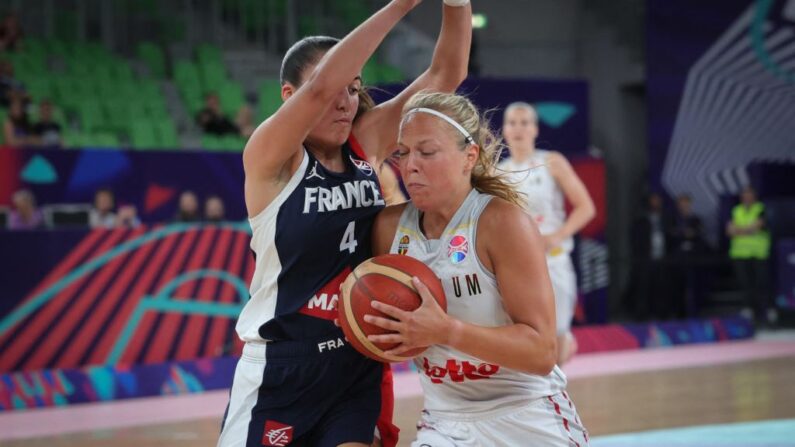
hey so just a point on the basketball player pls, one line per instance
(312, 194)
(489, 374)
(546, 178)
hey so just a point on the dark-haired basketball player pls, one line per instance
(311, 194)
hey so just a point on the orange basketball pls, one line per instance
(386, 278)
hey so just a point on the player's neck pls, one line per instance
(329, 157)
(522, 153)
(435, 221)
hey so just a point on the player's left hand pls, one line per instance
(427, 325)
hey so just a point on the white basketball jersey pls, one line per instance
(455, 382)
(545, 200)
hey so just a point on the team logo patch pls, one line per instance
(277, 434)
(403, 244)
(458, 249)
(363, 166)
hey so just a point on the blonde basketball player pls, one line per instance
(546, 178)
(489, 374)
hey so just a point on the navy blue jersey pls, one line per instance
(306, 242)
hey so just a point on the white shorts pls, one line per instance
(564, 286)
(550, 421)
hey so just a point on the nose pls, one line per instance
(341, 101)
(408, 163)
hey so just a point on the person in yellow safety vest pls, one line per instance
(749, 252)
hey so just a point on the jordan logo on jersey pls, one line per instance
(356, 194)
(313, 173)
(458, 372)
(324, 303)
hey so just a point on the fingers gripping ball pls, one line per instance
(385, 278)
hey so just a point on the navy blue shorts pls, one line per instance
(303, 393)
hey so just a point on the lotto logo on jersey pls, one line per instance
(277, 434)
(458, 372)
(403, 244)
(457, 249)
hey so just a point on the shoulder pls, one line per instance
(505, 231)
(556, 160)
(385, 226)
(503, 218)
(390, 216)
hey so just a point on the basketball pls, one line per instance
(386, 278)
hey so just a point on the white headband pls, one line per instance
(467, 137)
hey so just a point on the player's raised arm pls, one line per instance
(277, 140)
(377, 130)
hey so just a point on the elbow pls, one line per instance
(590, 211)
(547, 359)
(319, 89)
(448, 79)
(544, 357)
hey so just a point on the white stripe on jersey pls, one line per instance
(265, 284)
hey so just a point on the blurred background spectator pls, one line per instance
(25, 215)
(214, 209)
(749, 250)
(17, 130)
(102, 215)
(10, 33)
(212, 120)
(46, 131)
(188, 208)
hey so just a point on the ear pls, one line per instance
(287, 91)
(472, 154)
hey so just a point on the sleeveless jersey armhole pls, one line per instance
(291, 185)
(475, 239)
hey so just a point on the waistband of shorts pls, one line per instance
(329, 345)
(506, 409)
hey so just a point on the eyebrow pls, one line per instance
(425, 141)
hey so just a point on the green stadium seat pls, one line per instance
(212, 142)
(167, 132)
(102, 140)
(213, 76)
(209, 54)
(91, 116)
(232, 143)
(143, 136)
(231, 96)
(154, 58)
(270, 98)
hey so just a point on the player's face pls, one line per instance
(433, 164)
(335, 125)
(519, 127)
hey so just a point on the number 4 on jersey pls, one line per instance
(349, 238)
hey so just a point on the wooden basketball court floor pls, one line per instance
(620, 392)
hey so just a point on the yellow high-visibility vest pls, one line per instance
(756, 246)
